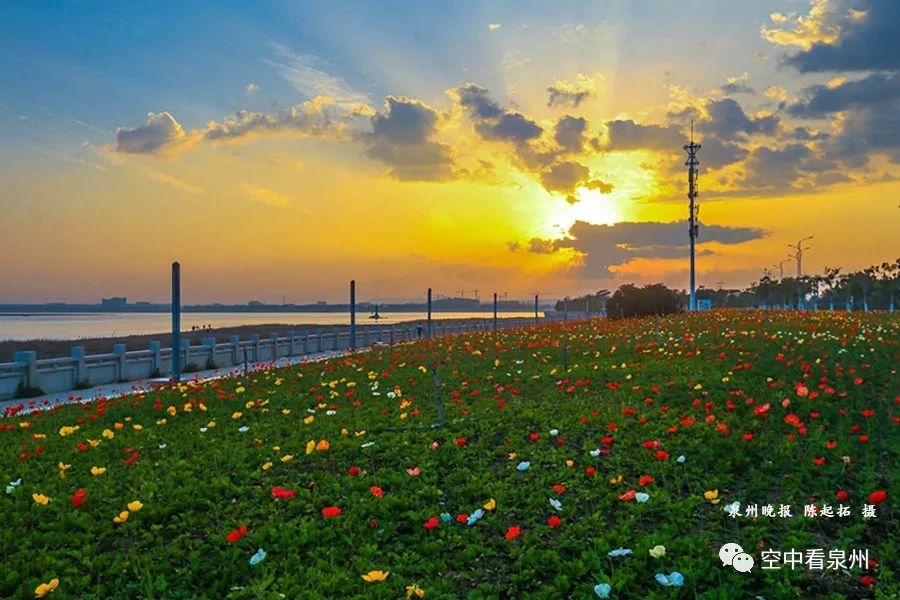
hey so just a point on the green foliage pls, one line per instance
(696, 384)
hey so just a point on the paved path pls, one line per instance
(133, 387)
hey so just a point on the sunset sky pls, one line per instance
(279, 149)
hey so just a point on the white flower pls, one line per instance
(554, 432)
(555, 503)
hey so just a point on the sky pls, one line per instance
(280, 149)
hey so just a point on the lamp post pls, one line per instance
(798, 256)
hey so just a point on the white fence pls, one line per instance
(78, 371)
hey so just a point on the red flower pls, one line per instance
(534, 437)
(376, 491)
(461, 441)
(79, 498)
(236, 534)
(330, 512)
(559, 489)
(462, 518)
(819, 461)
(842, 495)
(607, 441)
(628, 496)
(650, 445)
(867, 580)
(554, 521)
(877, 497)
(590, 471)
(282, 494)
(353, 471)
(131, 459)
(644, 480)
(662, 455)
(431, 523)
(513, 532)
(802, 390)
(748, 437)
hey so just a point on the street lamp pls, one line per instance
(798, 256)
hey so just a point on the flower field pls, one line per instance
(601, 461)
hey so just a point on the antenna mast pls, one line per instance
(692, 164)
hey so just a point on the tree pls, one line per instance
(632, 301)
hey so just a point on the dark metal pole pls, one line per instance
(495, 312)
(352, 314)
(176, 322)
(428, 327)
(535, 309)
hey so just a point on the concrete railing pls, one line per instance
(28, 373)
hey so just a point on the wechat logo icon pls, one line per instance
(732, 555)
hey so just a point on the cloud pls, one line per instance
(728, 121)
(572, 93)
(401, 136)
(863, 36)
(250, 89)
(511, 126)
(603, 246)
(170, 181)
(267, 196)
(159, 132)
(307, 74)
(716, 153)
(476, 101)
(821, 25)
(782, 168)
(737, 85)
(494, 26)
(627, 135)
(821, 100)
(570, 133)
(564, 176)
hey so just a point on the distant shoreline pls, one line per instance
(56, 348)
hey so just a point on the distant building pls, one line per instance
(255, 303)
(114, 303)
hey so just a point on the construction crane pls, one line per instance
(462, 293)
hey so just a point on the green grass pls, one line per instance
(695, 384)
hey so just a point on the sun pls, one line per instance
(595, 208)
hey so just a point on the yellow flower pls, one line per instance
(285, 411)
(187, 407)
(39, 436)
(267, 466)
(97, 471)
(373, 576)
(490, 504)
(344, 431)
(712, 496)
(276, 448)
(512, 456)
(570, 463)
(62, 470)
(287, 458)
(94, 443)
(310, 446)
(135, 505)
(108, 434)
(698, 387)
(240, 389)
(211, 424)
(202, 407)
(137, 427)
(237, 415)
(172, 411)
(121, 517)
(359, 433)
(45, 588)
(616, 479)
(322, 445)
(309, 420)
(160, 421)
(66, 430)
(414, 590)
(41, 499)
(658, 551)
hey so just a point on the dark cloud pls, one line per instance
(569, 94)
(821, 100)
(405, 121)
(728, 121)
(401, 136)
(159, 132)
(716, 154)
(476, 100)
(604, 246)
(511, 126)
(869, 43)
(570, 133)
(736, 87)
(781, 168)
(628, 135)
